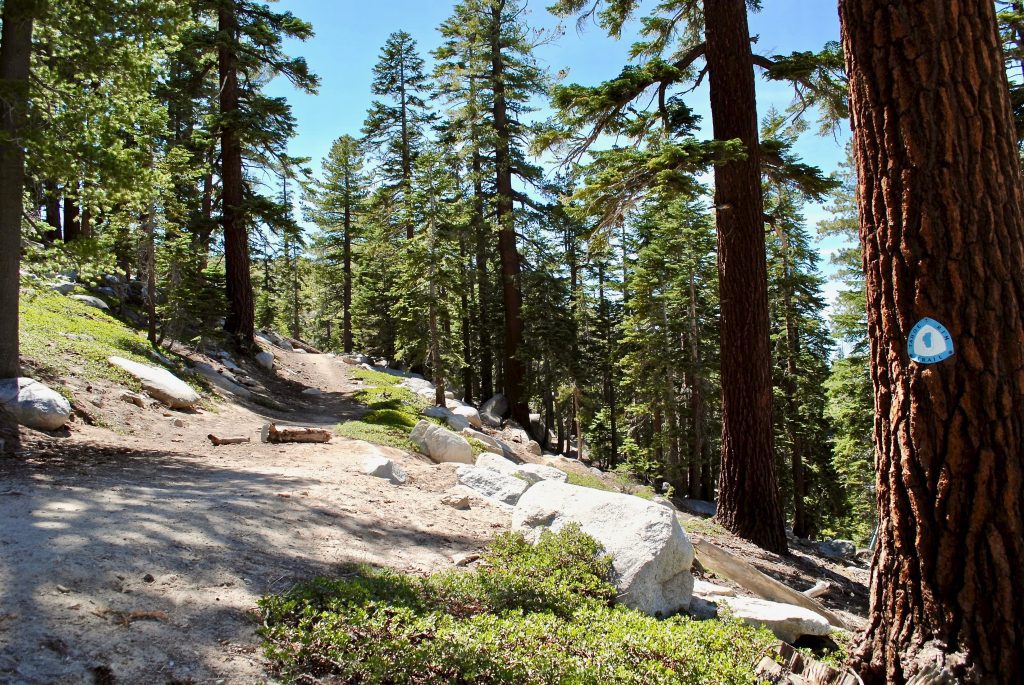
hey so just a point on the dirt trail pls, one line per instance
(136, 555)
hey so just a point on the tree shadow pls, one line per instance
(95, 534)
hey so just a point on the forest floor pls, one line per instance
(135, 552)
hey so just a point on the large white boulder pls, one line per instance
(470, 414)
(440, 444)
(531, 473)
(495, 486)
(457, 423)
(493, 410)
(33, 404)
(651, 553)
(493, 444)
(788, 622)
(160, 383)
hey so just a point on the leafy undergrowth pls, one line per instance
(527, 615)
(394, 411)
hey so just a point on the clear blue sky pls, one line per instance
(349, 35)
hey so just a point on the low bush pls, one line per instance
(529, 615)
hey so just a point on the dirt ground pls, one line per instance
(136, 552)
(137, 555)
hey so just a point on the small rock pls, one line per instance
(493, 485)
(62, 589)
(837, 549)
(265, 360)
(179, 423)
(459, 502)
(382, 467)
(312, 392)
(441, 445)
(149, 578)
(33, 404)
(160, 383)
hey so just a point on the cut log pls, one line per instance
(272, 434)
(217, 441)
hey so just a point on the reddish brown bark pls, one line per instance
(748, 493)
(514, 369)
(240, 320)
(15, 61)
(942, 229)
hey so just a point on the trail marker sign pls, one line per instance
(930, 342)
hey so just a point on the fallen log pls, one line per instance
(217, 441)
(274, 435)
(722, 563)
(822, 587)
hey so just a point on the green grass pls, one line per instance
(393, 411)
(587, 480)
(529, 615)
(61, 337)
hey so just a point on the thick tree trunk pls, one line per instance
(15, 62)
(482, 282)
(149, 268)
(942, 230)
(467, 334)
(513, 368)
(240, 317)
(748, 494)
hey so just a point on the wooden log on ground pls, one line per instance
(218, 441)
(274, 435)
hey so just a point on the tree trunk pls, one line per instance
(240, 317)
(15, 62)
(52, 206)
(513, 368)
(467, 340)
(699, 446)
(482, 286)
(748, 494)
(72, 227)
(942, 231)
(149, 267)
(346, 298)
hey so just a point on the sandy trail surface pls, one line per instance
(136, 553)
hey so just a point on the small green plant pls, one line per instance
(529, 614)
(586, 480)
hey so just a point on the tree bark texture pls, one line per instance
(15, 63)
(514, 370)
(240, 320)
(748, 494)
(942, 231)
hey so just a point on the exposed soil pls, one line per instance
(136, 552)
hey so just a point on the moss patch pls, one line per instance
(529, 615)
(393, 411)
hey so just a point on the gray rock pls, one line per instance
(382, 467)
(837, 549)
(63, 288)
(534, 448)
(457, 423)
(355, 359)
(441, 445)
(91, 301)
(265, 360)
(495, 486)
(788, 622)
(651, 553)
(497, 406)
(160, 383)
(33, 404)
(437, 412)
(470, 414)
(312, 392)
(224, 381)
(698, 507)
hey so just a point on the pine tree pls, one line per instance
(334, 205)
(394, 131)
(942, 228)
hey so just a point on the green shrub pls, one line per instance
(586, 480)
(528, 614)
(393, 411)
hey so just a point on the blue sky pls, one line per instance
(349, 35)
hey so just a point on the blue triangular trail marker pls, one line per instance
(930, 342)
